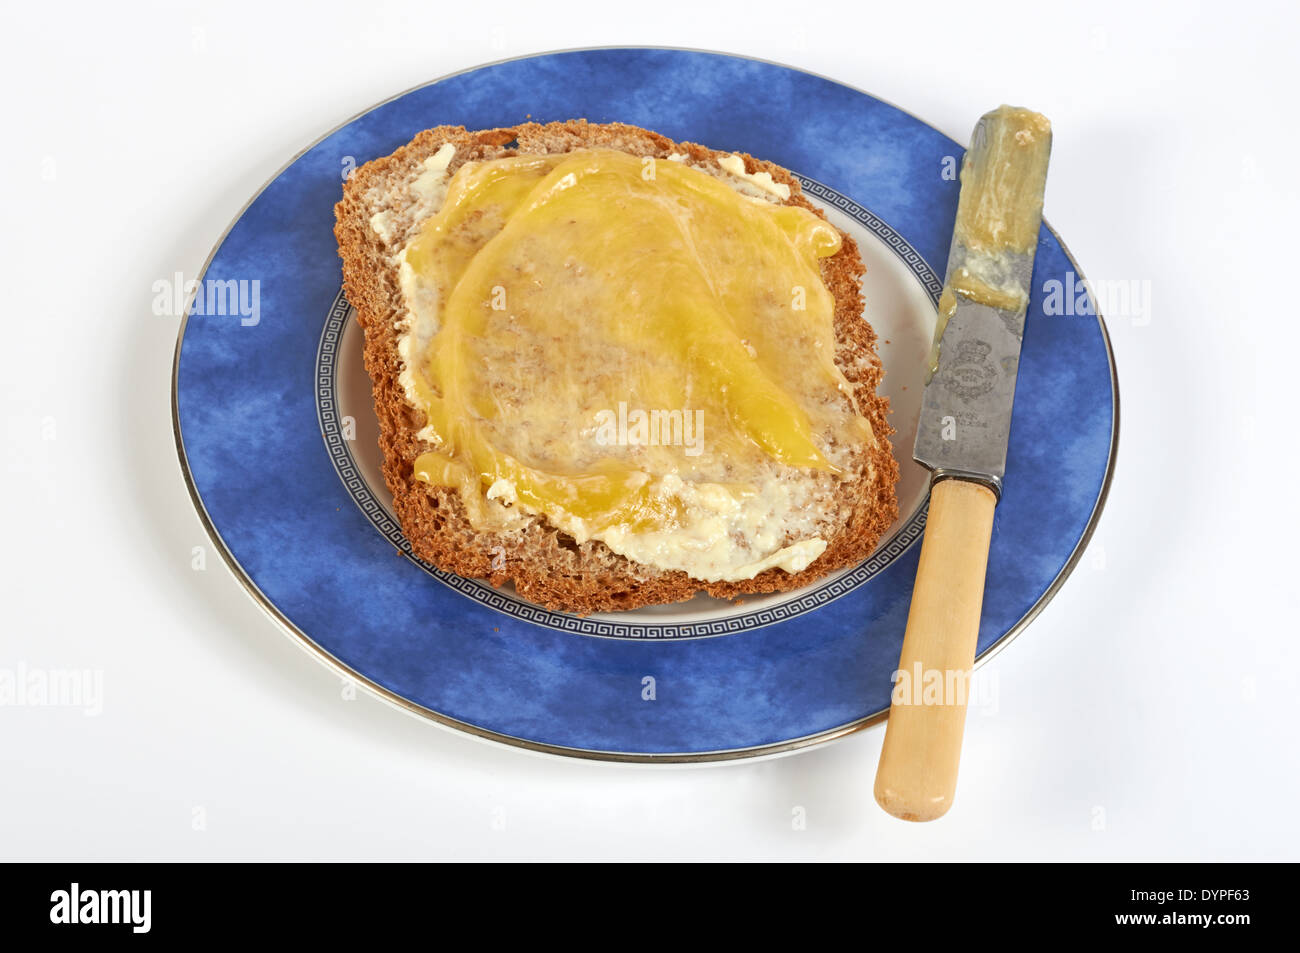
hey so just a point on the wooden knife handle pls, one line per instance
(918, 764)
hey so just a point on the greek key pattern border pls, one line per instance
(345, 465)
(878, 227)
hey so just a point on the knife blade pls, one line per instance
(966, 406)
(962, 436)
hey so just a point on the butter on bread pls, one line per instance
(383, 206)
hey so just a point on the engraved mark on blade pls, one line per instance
(972, 373)
(975, 385)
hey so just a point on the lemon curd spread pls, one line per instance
(634, 349)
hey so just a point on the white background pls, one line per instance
(1148, 713)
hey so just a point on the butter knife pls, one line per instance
(962, 438)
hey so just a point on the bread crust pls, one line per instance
(545, 565)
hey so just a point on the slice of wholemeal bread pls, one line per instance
(381, 210)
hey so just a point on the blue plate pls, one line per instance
(277, 441)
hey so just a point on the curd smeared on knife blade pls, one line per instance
(998, 213)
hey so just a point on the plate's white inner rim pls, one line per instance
(819, 594)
